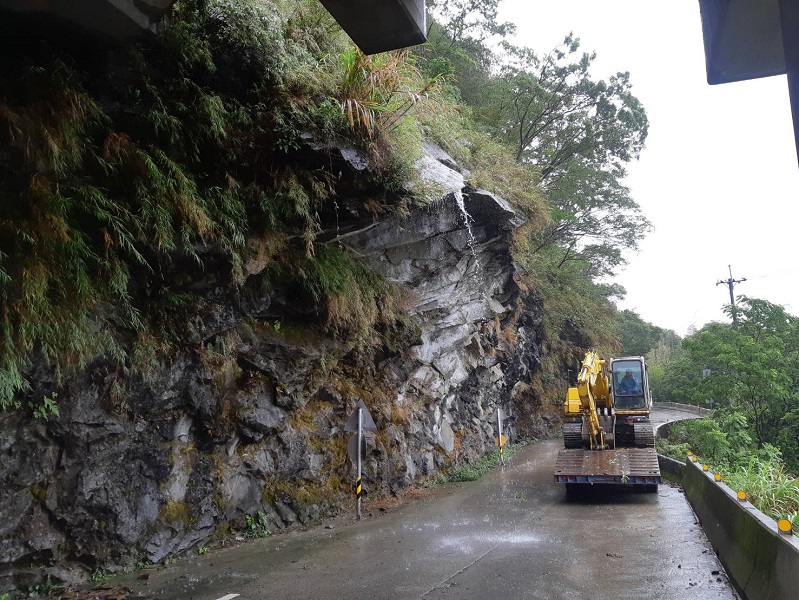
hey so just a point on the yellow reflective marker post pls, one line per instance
(717, 477)
(784, 526)
(694, 459)
(501, 439)
(690, 453)
(705, 467)
(741, 496)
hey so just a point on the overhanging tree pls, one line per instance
(579, 133)
(465, 20)
(552, 110)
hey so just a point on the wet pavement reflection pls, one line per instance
(512, 535)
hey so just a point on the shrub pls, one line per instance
(769, 487)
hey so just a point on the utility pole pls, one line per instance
(730, 283)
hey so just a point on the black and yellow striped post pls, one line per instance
(359, 421)
(358, 486)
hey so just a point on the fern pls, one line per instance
(106, 187)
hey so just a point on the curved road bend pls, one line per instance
(512, 535)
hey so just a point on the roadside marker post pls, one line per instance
(501, 439)
(360, 420)
(499, 430)
(358, 483)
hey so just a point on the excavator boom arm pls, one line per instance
(593, 390)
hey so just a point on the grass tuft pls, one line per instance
(477, 468)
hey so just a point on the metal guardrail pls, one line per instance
(697, 410)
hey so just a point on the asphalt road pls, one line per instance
(512, 535)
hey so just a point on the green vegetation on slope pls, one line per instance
(479, 467)
(189, 144)
(724, 444)
(750, 368)
(748, 372)
(639, 338)
(119, 178)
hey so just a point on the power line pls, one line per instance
(778, 275)
(730, 283)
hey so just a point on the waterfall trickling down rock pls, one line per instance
(459, 267)
(466, 222)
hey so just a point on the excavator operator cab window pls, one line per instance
(627, 384)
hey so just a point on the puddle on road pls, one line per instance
(490, 539)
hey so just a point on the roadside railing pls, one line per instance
(761, 561)
(697, 410)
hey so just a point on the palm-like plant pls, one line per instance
(377, 91)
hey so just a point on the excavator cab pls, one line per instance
(630, 383)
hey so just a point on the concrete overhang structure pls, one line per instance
(748, 39)
(118, 19)
(380, 25)
(374, 25)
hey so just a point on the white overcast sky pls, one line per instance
(718, 178)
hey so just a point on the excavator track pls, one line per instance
(644, 435)
(573, 435)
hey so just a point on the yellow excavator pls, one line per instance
(607, 435)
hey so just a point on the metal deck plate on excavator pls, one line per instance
(635, 466)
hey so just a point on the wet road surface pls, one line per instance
(512, 535)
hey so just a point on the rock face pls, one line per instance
(248, 418)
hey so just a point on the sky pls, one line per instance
(719, 177)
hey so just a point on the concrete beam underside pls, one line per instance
(119, 19)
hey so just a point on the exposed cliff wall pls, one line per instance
(247, 415)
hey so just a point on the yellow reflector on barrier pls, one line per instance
(717, 477)
(705, 467)
(693, 458)
(741, 496)
(690, 453)
(784, 525)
